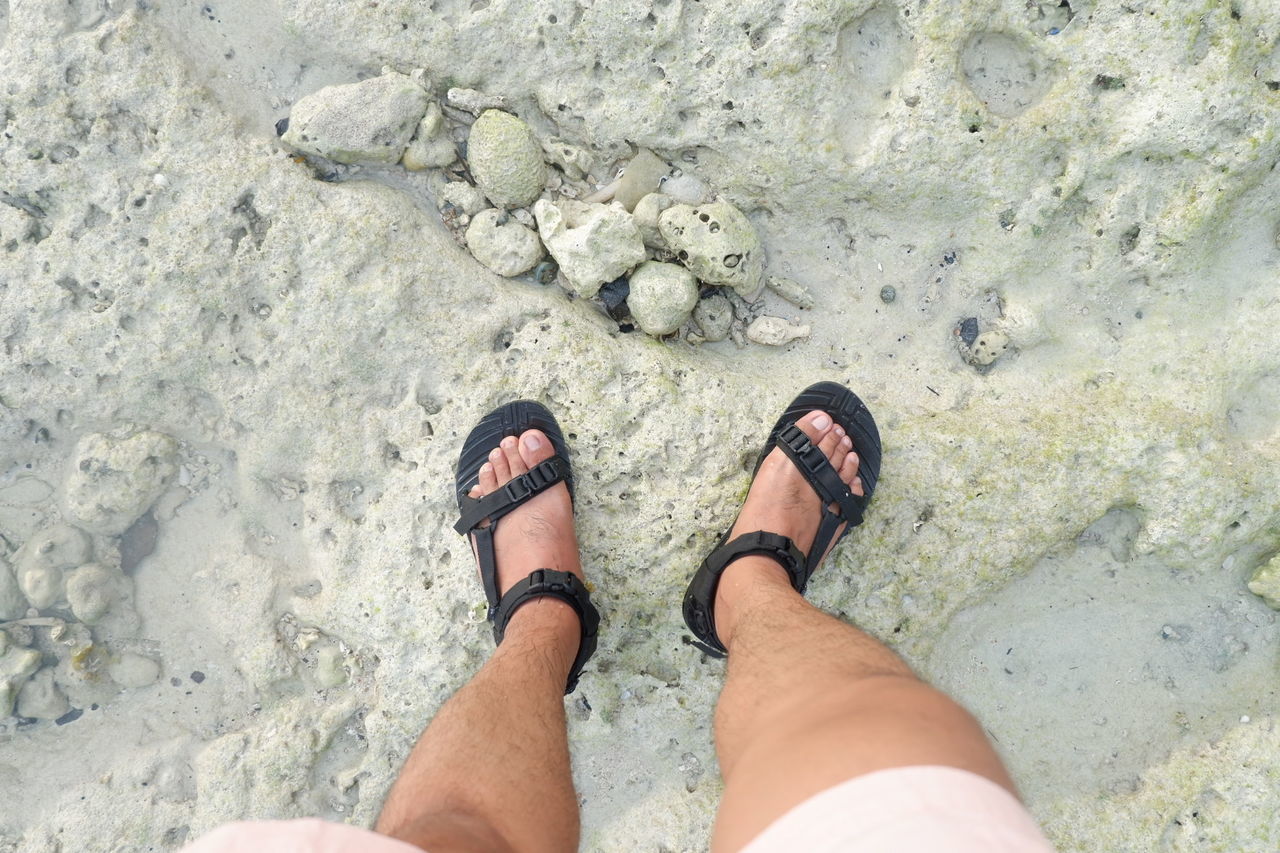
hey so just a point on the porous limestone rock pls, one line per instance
(714, 316)
(575, 161)
(43, 558)
(592, 243)
(661, 297)
(718, 243)
(641, 177)
(988, 347)
(774, 331)
(431, 147)
(794, 292)
(646, 214)
(91, 590)
(367, 122)
(687, 189)
(1266, 582)
(464, 197)
(133, 670)
(506, 247)
(506, 159)
(116, 477)
(330, 667)
(41, 699)
(474, 101)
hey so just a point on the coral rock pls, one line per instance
(367, 122)
(592, 243)
(662, 295)
(718, 243)
(507, 248)
(506, 159)
(775, 331)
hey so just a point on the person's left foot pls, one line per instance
(537, 535)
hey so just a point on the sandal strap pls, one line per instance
(817, 469)
(776, 547)
(564, 586)
(517, 491)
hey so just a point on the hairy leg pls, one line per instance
(810, 701)
(491, 771)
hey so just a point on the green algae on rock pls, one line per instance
(506, 159)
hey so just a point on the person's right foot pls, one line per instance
(782, 501)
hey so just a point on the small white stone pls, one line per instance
(133, 671)
(775, 331)
(506, 159)
(41, 699)
(330, 669)
(41, 584)
(661, 297)
(17, 664)
(988, 347)
(714, 316)
(1244, 719)
(592, 243)
(792, 291)
(464, 197)
(718, 243)
(91, 590)
(509, 249)
(687, 189)
(431, 147)
(646, 214)
(367, 122)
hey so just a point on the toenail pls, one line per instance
(495, 453)
(840, 430)
(531, 442)
(846, 442)
(821, 422)
(509, 442)
(486, 468)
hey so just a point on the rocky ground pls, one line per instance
(1039, 238)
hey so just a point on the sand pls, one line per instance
(1062, 539)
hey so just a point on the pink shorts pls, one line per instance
(905, 810)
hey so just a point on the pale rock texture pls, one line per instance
(133, 670)
(116, 477)
(718, 243)
(470, 200)
(592, 243)
(775, 331)
(643, 175)
(506, 159)
(714, 316)
(17, 664)
(90, 591)
(646, 213)
(988, 347)
(13, 604)
(41, 699)
(662, 296)
(430, 147)
(367, 122)
(318, 345)
(507, 248)
(792, 291)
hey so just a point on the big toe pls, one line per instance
(817, 425)
(535, 447)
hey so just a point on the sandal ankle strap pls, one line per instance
(566, 587)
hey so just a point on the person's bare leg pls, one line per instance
(809, 701)
(491, 772)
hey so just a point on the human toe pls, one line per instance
(817, 424)
(535, 447)
(830, 446)
(501, 470)
(849, 473)
(511, 449)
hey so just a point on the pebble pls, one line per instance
(792, 291)
(614, 298)
(464, 197)
(41, 699)
(592, 243)
(116, 477)
(888, 294)
(714, 316)
(662, 297)
(330, 671)
(775, 331)
(91, 590)
(968, 330)
(17, 664)
(647, 211)
(687, 189)
(133, 670)
(506, 159)
(369, 122)
(718, 243)
(642, 176)
(41, 584)
(430, 147)
(988, 347)
(507, 248)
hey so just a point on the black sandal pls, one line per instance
(511, 420)
(848, 411)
